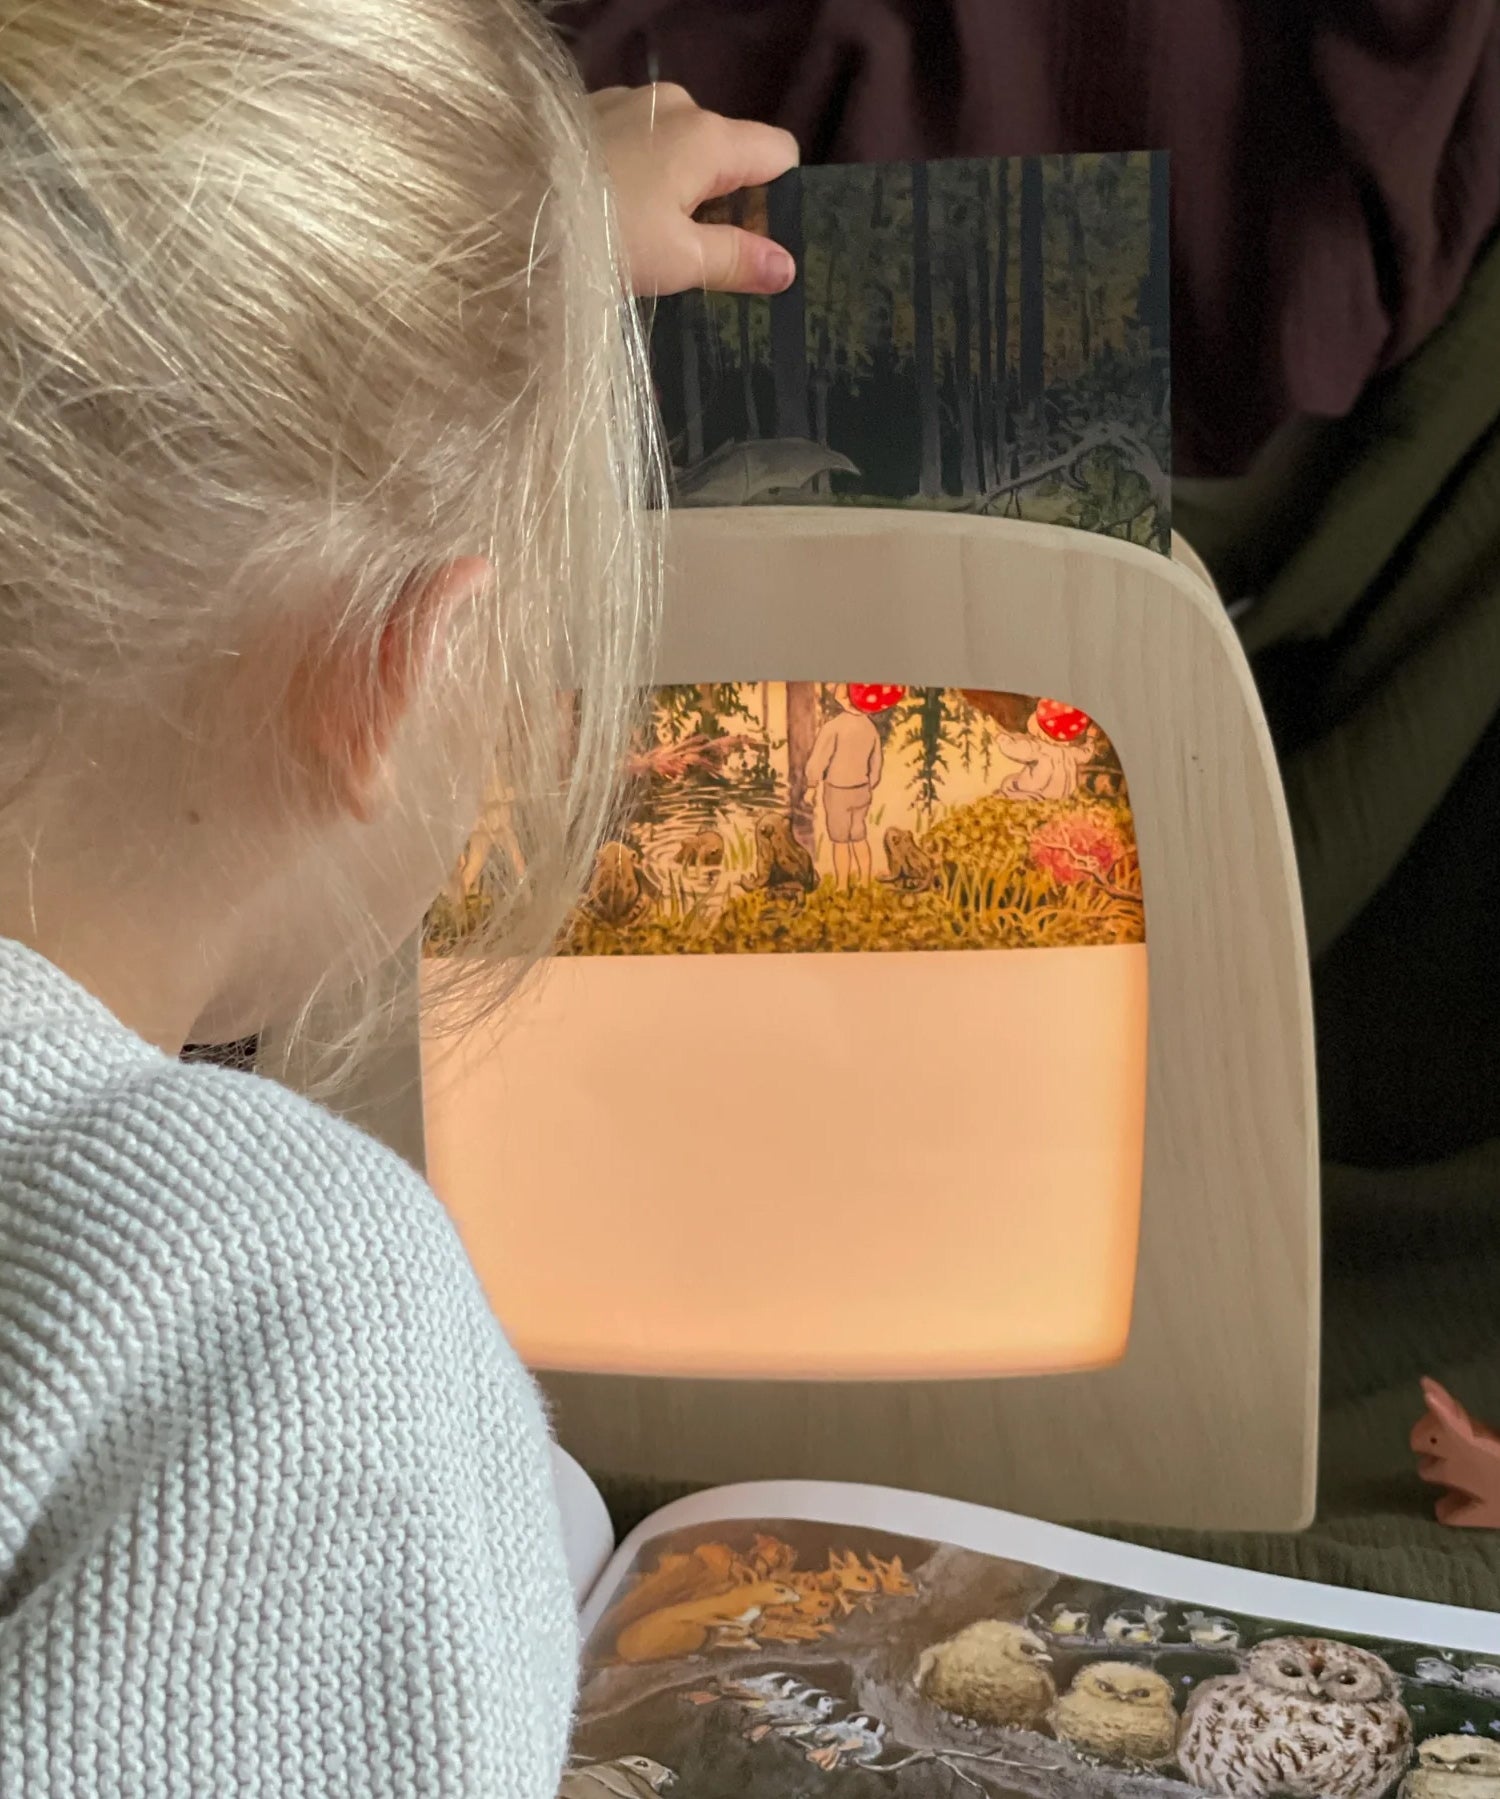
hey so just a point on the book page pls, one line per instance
(588, 1535)
(788, 1639)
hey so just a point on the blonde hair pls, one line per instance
(308, 295)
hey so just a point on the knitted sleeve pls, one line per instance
(275, 1510)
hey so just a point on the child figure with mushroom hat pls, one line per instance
(846, 762)
(1058, 743)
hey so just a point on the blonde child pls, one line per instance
(320, 462)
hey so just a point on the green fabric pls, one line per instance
(1371, 549)
(1399, 1303)
(1375, 547)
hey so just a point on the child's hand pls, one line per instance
(666, 156)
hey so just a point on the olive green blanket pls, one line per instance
(1369, 549)
(1370, 552)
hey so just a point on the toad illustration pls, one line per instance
(783, 867)
(912, 869)
(705, 850)
(618, 892)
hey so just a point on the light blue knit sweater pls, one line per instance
(276, 1517)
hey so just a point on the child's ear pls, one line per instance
(351, 703)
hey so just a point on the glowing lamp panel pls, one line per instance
(839, 1070)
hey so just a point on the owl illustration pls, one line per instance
(1456, 1767)
(1483, 1678)
(1305, 1718)
(1116, 1712)
(993, 1673)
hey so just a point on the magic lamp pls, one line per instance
(840, 1072)
(838, 1165)
(810, 1095)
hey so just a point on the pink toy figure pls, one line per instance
(1461, 1454)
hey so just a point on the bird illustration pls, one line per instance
(1137, 1629)
(774, 1684)
(630, 1777)
(1483, 1678)
(993, 1673)
(857, 1739)
(1065, 1621)
(793, 1709)
(771, 1702)
(1456, 1767)
(1117, 1712)
(1211, 1633)
(1438, 1671)
(1305, 1718)
(738, 473)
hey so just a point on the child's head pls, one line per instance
(320, 463)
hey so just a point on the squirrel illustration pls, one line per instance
(709, 1569)
(725, 1619)
(893, 1579)
(834, 1592)
(718, 1597)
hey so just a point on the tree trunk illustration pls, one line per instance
(747, 369)
(963, 373)
(986, 420)
(801, 731)
(692, 387)
(1033, 292)
(747, 365)
(931, 481)
(789, 312)
(1002, 316)
(1009, 710)
(823, 371)
(820, 384)
(1078, 258)
(1158, 307)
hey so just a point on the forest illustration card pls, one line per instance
(786, 1659)
(981, 336)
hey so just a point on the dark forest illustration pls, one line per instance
(985, 336)
(832, 816)
(785, 1660)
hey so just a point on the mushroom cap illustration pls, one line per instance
(866, 696)
(1063, 724)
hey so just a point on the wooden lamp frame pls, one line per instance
(1211, 1418)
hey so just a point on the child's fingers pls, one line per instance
(740, 262)
(738, 153)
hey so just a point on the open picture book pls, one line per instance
(793, 1640)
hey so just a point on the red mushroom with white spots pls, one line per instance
(866, 696)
